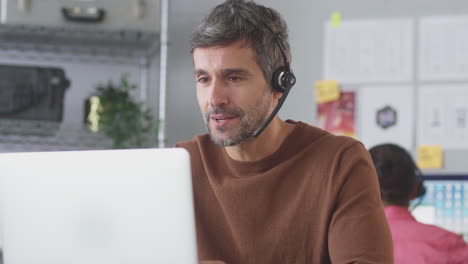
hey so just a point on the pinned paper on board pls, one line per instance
(368, 50)
(327, 91)
(386, 115)
(430, 157)
(442, 48)
(338, 117)
(443, 115)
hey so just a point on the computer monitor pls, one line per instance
(109, 206)
(445, 203)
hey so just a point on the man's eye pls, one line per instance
(234, 78)
(202, 79)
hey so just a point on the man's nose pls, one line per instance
(219, 93)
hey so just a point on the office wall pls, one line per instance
(305, 20)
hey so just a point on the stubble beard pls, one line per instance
(250, 120)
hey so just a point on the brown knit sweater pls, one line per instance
(315, 200)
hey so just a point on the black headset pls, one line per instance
(419, 182)
(415, 174)
(282, 80)
(421, 189)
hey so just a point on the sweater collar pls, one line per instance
(247, 168)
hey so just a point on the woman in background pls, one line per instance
(413, 242)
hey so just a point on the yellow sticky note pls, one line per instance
(327, 91)
(336, 19)
(430, 157)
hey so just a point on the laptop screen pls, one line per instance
(110, 206)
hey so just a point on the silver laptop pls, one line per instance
(97, 207)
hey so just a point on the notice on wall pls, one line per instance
(386, 115)
(430, 157)
(338, 116)
(443, 53)
(373, 50)
(443, 115)
(327, 91)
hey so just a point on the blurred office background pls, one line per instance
(400, 69)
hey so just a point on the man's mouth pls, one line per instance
(222, 119)
(218, 118)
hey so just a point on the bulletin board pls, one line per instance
(408, 68)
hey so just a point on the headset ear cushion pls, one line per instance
(421, 190)
(420, 182)
(283, 79)
(277, 79)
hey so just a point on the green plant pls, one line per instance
(121, 118)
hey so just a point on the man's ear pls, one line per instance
(277, 95)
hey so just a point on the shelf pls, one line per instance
(64, 45)
(77, 44)
(29, 135)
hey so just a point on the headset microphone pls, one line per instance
(283, 80)
(272, 115)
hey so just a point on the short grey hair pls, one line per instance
(248, 22)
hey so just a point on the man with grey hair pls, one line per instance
(267, 190)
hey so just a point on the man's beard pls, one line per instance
(250, 120)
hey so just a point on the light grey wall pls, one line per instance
(305, 19)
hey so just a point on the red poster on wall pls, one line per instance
(338, 117)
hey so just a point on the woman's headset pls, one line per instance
(419, 182)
